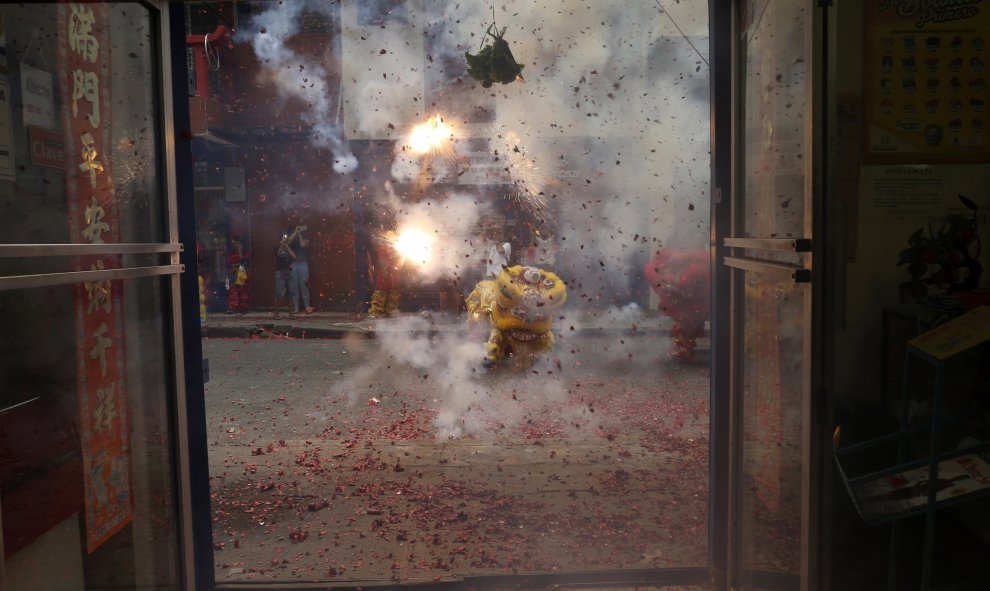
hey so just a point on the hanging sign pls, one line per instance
(47, 148)
(37, 97)
(84, 77)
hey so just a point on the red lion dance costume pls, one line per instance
(681, 279)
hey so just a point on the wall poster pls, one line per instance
(925, 89)
(921, 193)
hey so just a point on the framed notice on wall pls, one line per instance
(925, 85)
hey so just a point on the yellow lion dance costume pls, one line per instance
(518, 305)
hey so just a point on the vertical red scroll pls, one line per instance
(84, 79)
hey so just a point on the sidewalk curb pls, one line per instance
(255, 325)
(281, 331)
(268, 331)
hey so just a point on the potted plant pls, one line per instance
(945, 258)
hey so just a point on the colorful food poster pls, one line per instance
(925, 81)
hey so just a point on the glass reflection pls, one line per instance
(119, 529)
(775, 122)
(511, 280)
(773, 374)
(86, 470)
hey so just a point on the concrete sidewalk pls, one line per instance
(335, 325)
(318, 325)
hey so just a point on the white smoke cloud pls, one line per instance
(608, 136)
(296, 76)
(452, 222)
(384, 78)
(609, 131)
(449, 360)
(468, 403)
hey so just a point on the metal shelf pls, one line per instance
(925, 496)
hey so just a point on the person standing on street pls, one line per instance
(237, 277)
(284, 257)
(299, 285)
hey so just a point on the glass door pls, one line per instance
(769, 254)
(482, 355)
(89, 283)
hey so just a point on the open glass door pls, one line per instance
(769, 253)
(90, 266)
(364, 425)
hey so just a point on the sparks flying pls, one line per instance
(432, 136)
(415, 245)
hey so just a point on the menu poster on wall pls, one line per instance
(925, 81)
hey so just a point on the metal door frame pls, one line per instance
(197, 517)
(722, 56)
(194, 475)
(727, 253)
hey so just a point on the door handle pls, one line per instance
(789, 244)
(796, 274)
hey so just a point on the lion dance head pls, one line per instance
(518, 307)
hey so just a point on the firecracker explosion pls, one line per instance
(553, 424)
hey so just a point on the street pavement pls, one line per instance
(328, 460)
(318, 325)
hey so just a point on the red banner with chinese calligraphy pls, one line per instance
(84, 79)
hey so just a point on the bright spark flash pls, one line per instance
(527, 178)
(432, 136)
(414, 245)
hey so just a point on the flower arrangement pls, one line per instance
(944, 258)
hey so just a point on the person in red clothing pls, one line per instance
(681, 279)
(237, 277)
